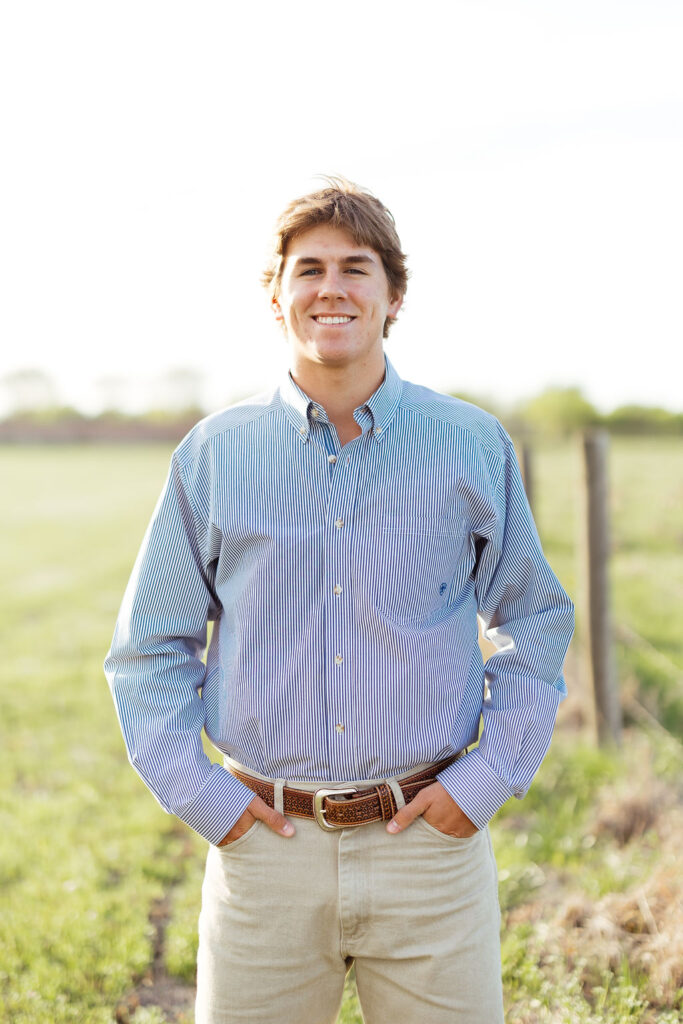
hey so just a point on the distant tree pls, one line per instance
(178, 389)
(27, 389)
(558, 411)
(53, 424)
(644, 419)
(112, 391)
(483, 401)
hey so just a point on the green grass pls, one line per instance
(646, 572)
(84, 849)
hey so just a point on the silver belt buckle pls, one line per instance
(319, 810)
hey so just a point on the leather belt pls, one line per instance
(344, 807)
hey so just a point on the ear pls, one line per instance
(395, 305)
(277, 312)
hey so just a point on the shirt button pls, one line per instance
(302, 431)
(338, 659)
(337, 589)
(339, 523)
(378, 430)
(339, 727)
(332, 459)
(315, 412)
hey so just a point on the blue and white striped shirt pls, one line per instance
(344, 585)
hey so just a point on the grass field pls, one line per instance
(100, 888)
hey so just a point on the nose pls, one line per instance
(331, 285)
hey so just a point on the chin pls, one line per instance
(332, 350)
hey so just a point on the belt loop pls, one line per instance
(278, 796)
(398, 793)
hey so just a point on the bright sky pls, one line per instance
(531, 152)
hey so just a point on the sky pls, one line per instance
(531, 153)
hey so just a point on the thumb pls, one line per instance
(408, 814)
(272, 818)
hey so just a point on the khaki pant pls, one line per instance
(282, 921)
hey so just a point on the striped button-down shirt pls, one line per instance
(344, 585)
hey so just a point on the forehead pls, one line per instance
(327, 242)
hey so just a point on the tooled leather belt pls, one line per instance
(342, 807)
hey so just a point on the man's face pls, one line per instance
(334, 299)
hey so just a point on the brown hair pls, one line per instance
(352, 208)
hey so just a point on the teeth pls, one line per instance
(334, 319)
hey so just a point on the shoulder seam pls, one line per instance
(186, 488)
(457, 426)
(190, 458)
(236, 426)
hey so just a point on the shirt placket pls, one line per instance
(338, 653)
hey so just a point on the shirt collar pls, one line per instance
(385, 400)
(381, 406)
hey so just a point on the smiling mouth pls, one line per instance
(331, 320)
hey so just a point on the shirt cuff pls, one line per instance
(475, 787)
(222, 800)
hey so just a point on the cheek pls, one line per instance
(301, 301)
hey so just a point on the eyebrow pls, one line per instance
(314, 261)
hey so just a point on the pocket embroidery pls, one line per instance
(416, 560)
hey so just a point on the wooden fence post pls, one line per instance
(596, 611)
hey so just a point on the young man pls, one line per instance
(343, 534)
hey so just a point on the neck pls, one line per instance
(340, 389)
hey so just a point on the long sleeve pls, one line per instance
(529, 618)
(155, 669)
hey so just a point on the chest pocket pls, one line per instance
(412, 562)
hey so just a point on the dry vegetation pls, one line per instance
(637, 932)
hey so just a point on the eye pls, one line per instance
(311, 270)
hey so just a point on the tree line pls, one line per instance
(35, 415)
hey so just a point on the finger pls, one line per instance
(272, 818)
(408, 814)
